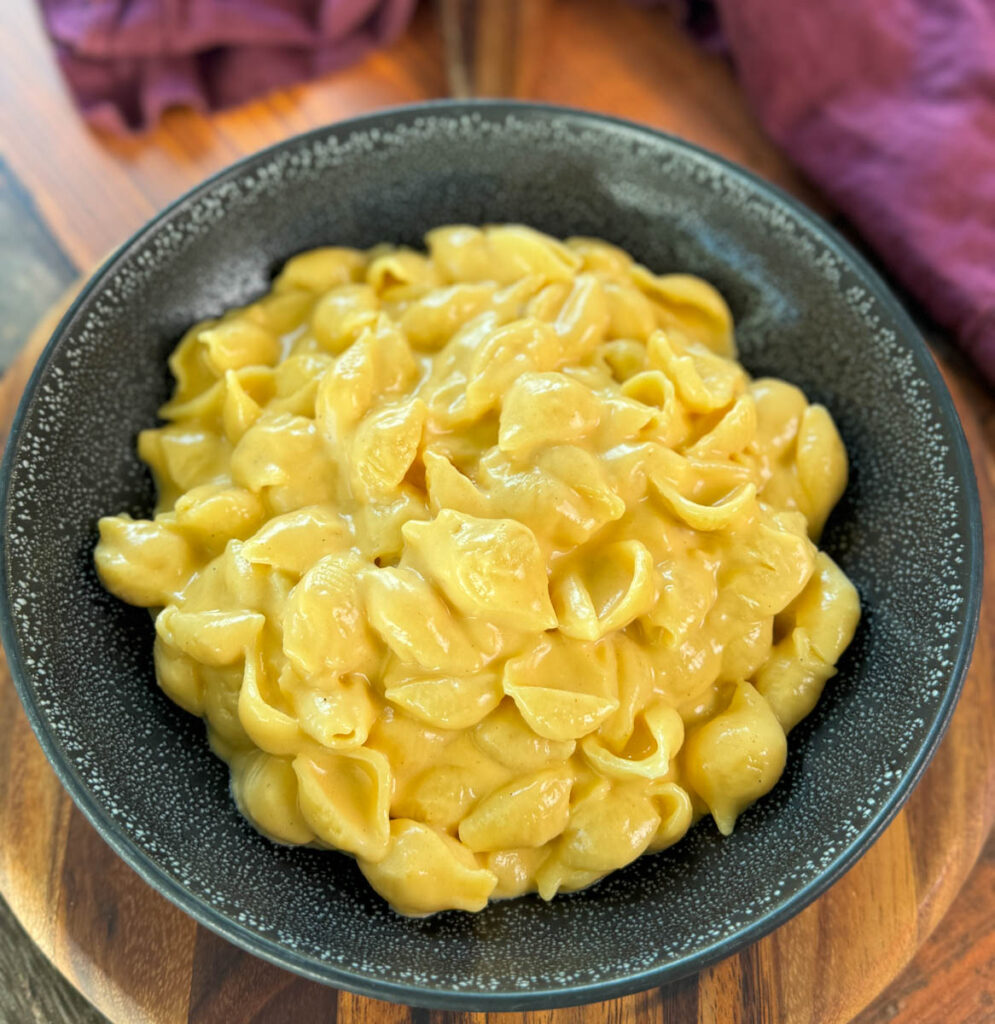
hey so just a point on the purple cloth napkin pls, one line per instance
(126, 61)
(888, 106)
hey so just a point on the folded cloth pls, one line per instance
(126, 61)
(888, 106)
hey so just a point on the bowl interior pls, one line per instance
(906, 532)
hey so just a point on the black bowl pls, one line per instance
(808, 309)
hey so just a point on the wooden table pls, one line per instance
(67, 197)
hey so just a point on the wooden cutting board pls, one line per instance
(139, 958)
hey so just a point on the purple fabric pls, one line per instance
(127, 61)
(888, 106)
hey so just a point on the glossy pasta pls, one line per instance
(489, 566)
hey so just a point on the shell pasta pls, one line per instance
(488, 565)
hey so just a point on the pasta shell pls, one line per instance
(345, 798)
(425, 871)
(529, 811)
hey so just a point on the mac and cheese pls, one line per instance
(489, 566)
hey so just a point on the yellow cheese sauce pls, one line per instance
(490, 565)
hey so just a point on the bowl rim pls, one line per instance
(270, 949)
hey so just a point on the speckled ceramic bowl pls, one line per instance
(808, 309)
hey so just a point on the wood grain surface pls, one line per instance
(136, 957)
